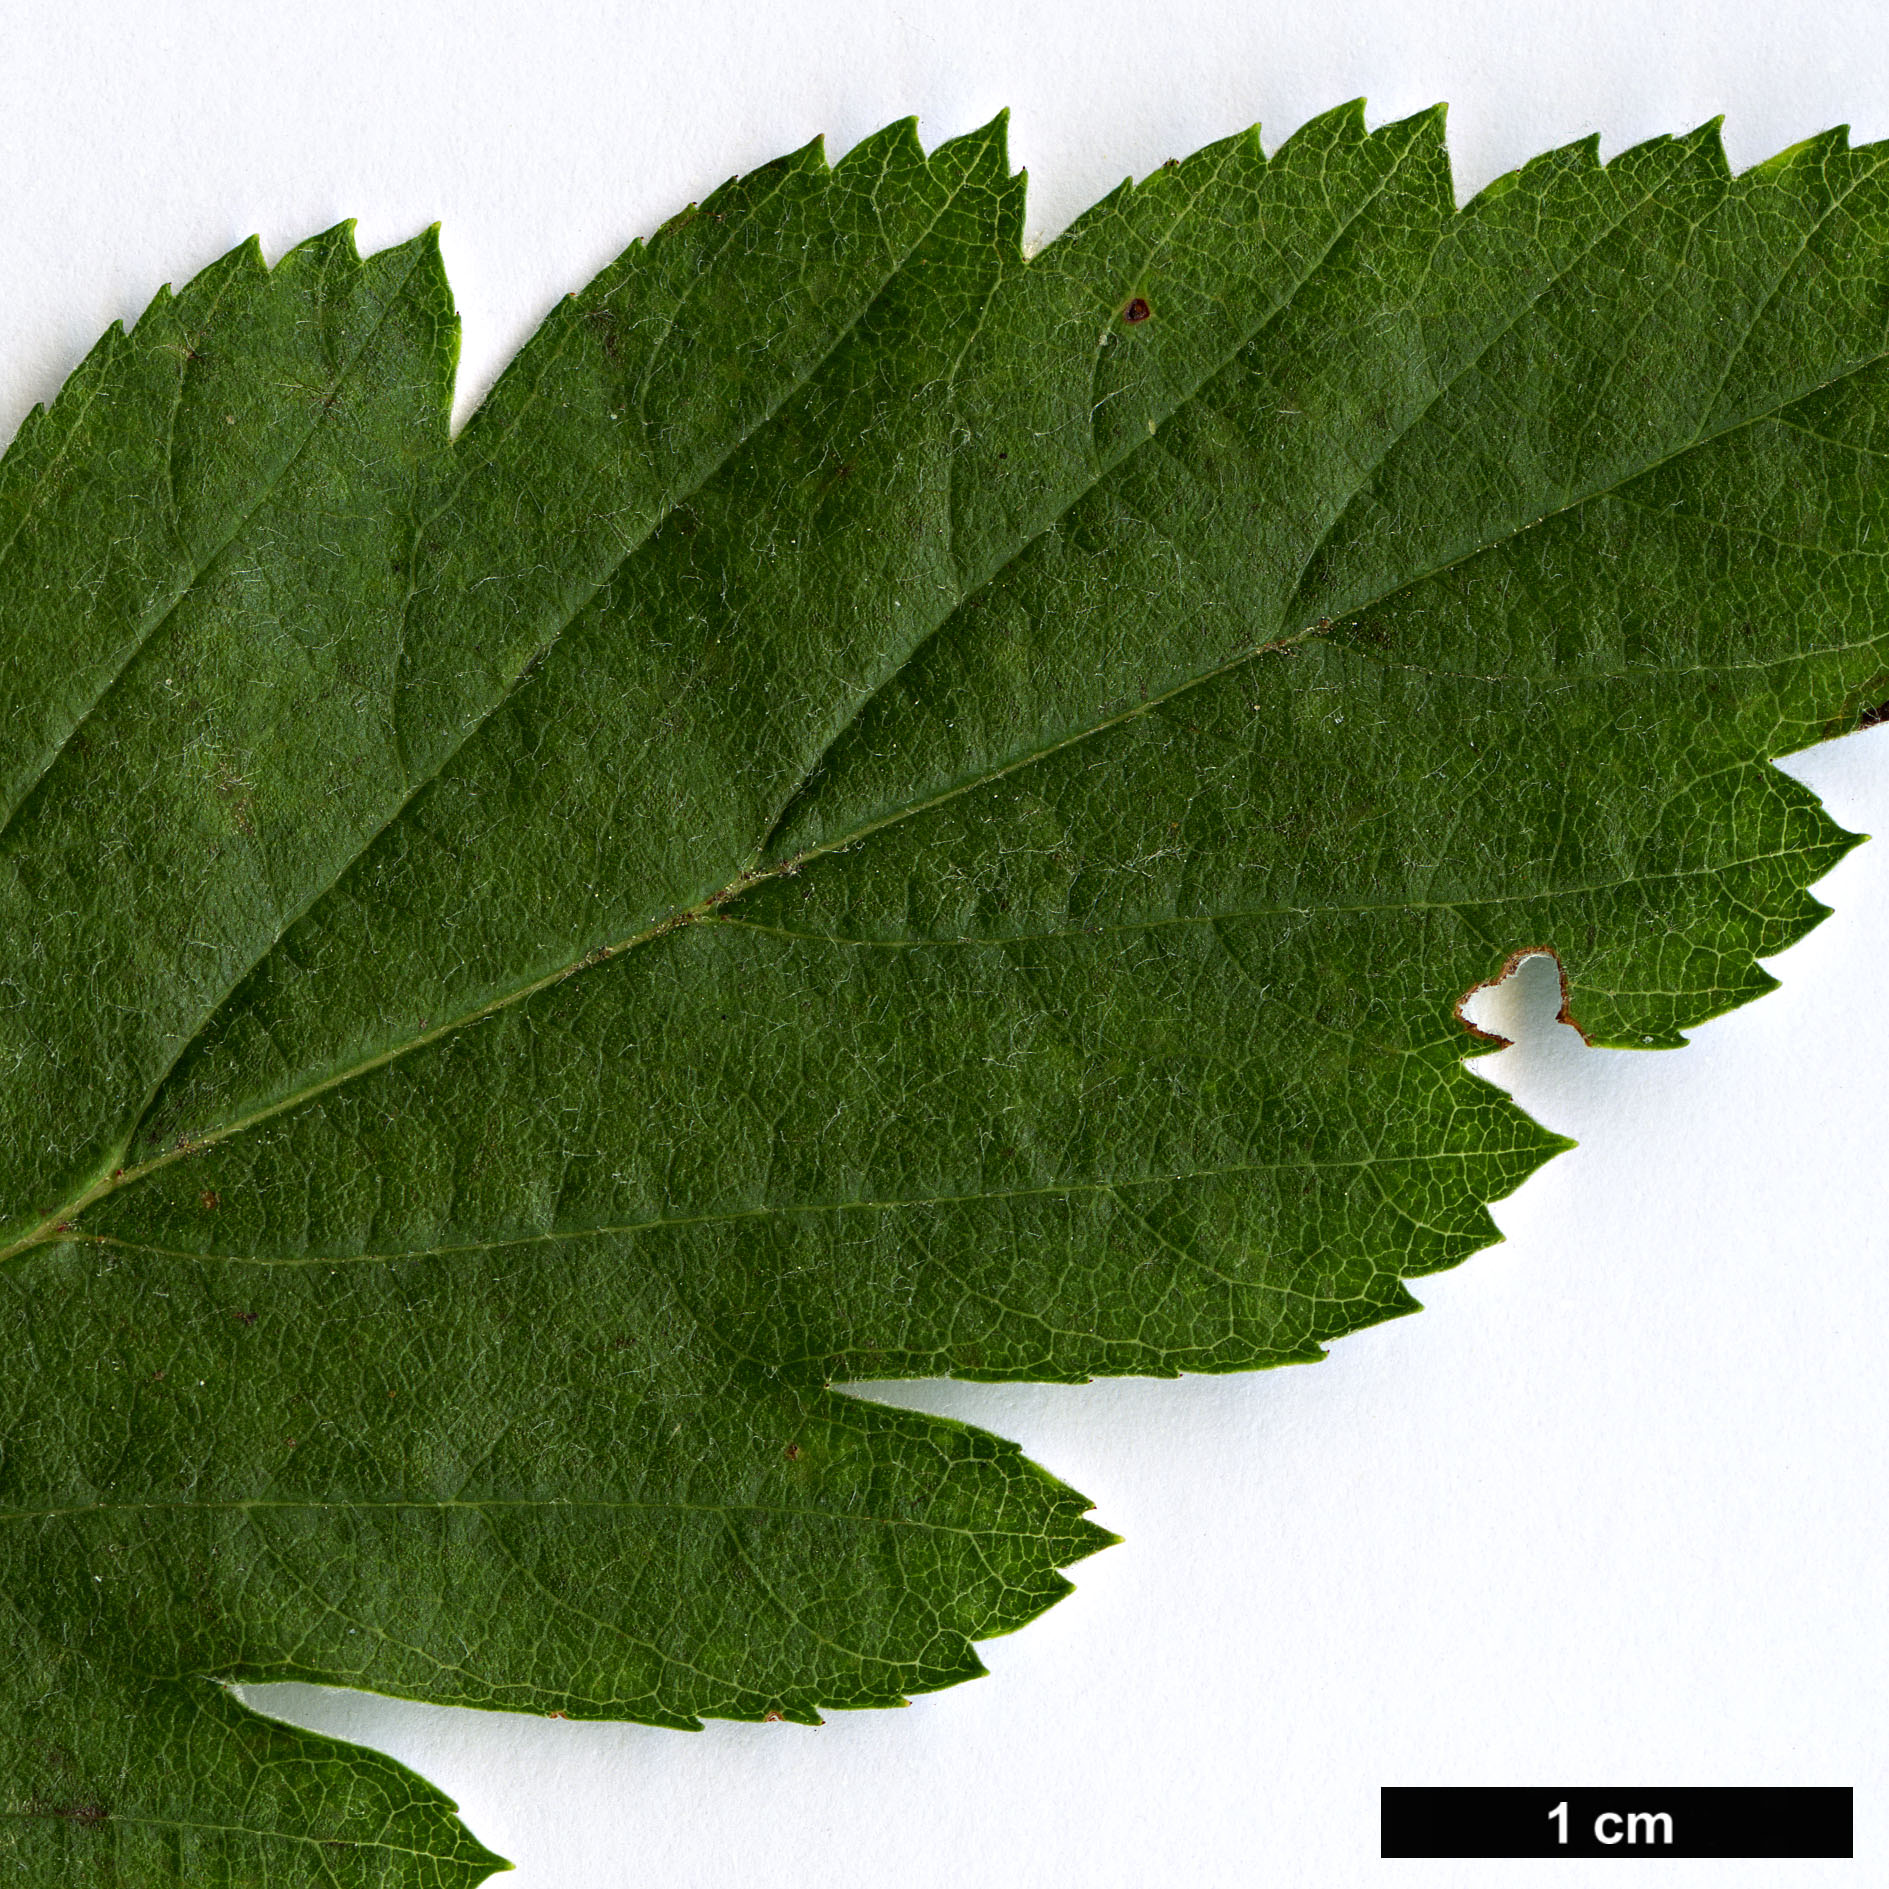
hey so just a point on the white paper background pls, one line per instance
(1611, 1510)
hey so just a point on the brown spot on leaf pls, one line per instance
(793, 1452)
(87, 1816)
(209, 1200)
(1136, 311)
(244, 1318)
(1854, 711)
(605, 321)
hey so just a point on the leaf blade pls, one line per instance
(980, 878)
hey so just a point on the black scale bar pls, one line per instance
(1630, 1822)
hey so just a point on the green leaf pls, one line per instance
(886, 809)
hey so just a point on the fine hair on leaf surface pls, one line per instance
(884, 810)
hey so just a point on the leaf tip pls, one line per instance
(1431, 121)
(1707, 142)
(1343, 122)
(900, 136)
(1832, 142)
(995, 131)
(1348, 116)
(427, 250)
